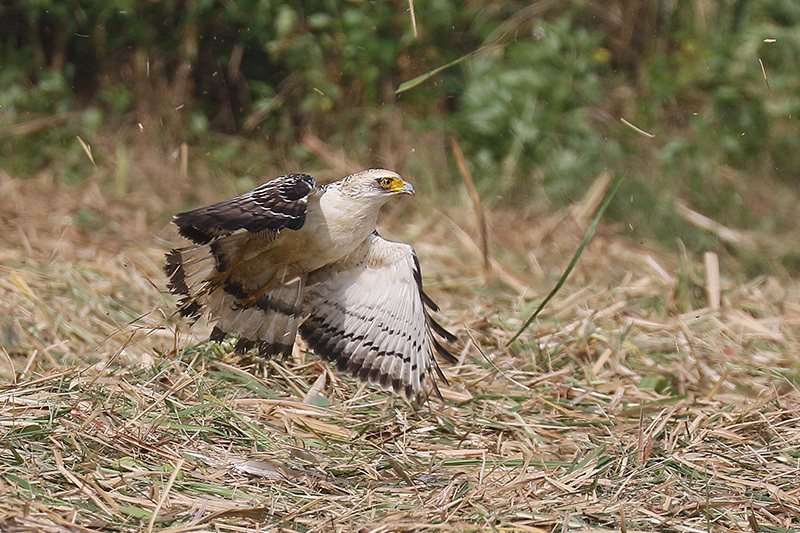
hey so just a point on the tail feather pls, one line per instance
(190, 267)
(252, 303)
(187, 268)
(243, 345)
(279, 327)
(217, 334)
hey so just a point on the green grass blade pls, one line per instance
(573, 262)
(413, 82)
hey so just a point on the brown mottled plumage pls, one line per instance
(291, 254)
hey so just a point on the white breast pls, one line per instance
(336, 224)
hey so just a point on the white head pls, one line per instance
(375, 183)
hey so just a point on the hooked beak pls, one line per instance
(407, 189)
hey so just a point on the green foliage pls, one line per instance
(731, 139)
(39, 122)
(534, 95)
(526, 111)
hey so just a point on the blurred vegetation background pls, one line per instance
(172, 102)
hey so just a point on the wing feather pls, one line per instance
(221, 275)
(368, 313)
(277, 204)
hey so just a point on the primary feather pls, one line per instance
(291, 254)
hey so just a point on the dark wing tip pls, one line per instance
(243, 345)
(443, 352)
(217, 334)
(269, 349)
(430, 304)
(274, 205)
(189, 308)
(439, 329)
(196, 235)
(296, 186)
(173, 262)
(173, 268)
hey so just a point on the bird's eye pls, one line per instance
(387, 182)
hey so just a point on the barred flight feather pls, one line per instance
(366, 313)
(290, 256)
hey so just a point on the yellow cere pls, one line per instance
(393, 184)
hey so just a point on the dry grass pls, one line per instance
(629, 406)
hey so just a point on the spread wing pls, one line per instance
(368, 313)
(277, 204)
(244, 295)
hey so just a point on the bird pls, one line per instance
(293, 256)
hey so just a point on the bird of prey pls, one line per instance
(293, 255)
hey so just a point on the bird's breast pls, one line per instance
(335, 226)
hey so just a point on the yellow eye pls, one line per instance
(387, 182)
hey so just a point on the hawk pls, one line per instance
(293, 256)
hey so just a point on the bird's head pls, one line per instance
(376, 183)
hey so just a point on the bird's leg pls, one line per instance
(215, 282)
(255, 296)
(251, 299)
(270, 284)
